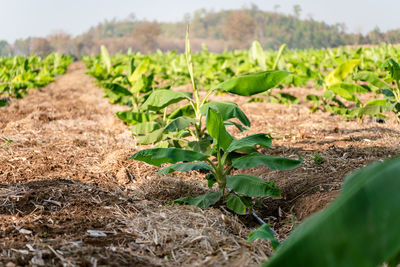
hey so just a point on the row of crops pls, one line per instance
(340, 75)
(19, 74)
(190, 132)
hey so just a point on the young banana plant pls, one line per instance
(225, 153)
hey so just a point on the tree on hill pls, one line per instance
(41, 47)
(22, 46)
(239, 27)
(146, 34)
(5, 48)
(61, 42)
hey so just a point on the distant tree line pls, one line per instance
(221, 30)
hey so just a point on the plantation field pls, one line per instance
(70, 195)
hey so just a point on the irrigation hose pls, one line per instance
(259, 220)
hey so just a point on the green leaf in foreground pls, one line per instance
(216, 128)
(203, 146)
(272, 162)
(238, 204)
(185, 111)
(158, 156)
(261, 139)
(160, 99)
(150, 138)
(145, 127)
(360, 228)
(264, 232)
(179, 123)
(228, 111)
(252, 186)
(130, 117)
(187, 166)
(202, 201)
(252, 84)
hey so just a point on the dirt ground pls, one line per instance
(70, 195)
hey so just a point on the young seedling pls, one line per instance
(226, 153)
(318, 159)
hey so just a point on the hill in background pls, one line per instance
(227, 29)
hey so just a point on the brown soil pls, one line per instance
(65, 170)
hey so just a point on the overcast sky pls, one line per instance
(23, 18)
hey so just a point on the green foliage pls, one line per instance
(228, 110)
(3, 102)
(131, 118)
(239, 204)
(216, 129)
(185, 167)
(344, 74)
(224, 153)
(263, 140)
(360, 228)
(202, 201)
(318, 159)
(337, 89)
(278, 57)
(392, 94)
(252, 186)
(264, 232)
(380, 84)
(341, 72)
(19, 74)
(272, 162)
(160, 99)
(254, 83)
(257, 55)
(128, 80)
(105, 58)
(158, 156)
(347, 90)
(283, 98)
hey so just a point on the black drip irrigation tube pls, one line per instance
(261, 221)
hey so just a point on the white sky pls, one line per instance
(23, 18)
